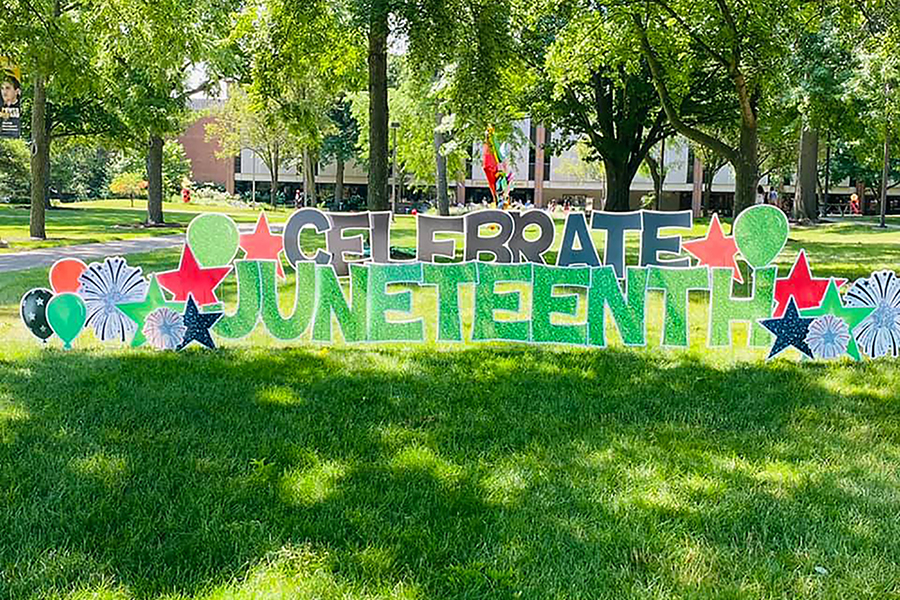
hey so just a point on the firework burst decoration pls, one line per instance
(879, 334)
(103, 286)
(828, 337)
(164, 329)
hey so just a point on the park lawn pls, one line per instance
(108, 220)
(437, 471)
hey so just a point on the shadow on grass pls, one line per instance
(482, 473)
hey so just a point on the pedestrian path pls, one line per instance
(44, 257)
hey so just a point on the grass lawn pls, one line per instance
(107, 220)
(479, 471)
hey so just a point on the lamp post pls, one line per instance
(394, 127)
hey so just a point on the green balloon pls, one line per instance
(213, 238)
(761, 232)
(66, 314)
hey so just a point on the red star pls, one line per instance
(191, 279)
(262, 245)
(715, 249)
(806, 290)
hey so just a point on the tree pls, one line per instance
(128, 185)
(297, 61)
(241, 123)
(472, 36)
(80, 169)
(427, 148)
(55, 44)
(341, 144)
(147, 54)
(818, 69)
(14, 175)
(586, 76)
(876, 85)
(742, 45)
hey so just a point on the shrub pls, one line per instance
(15, 171)
(128, 185)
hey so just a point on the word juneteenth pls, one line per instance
(504, 263)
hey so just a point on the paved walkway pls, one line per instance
(44, 257)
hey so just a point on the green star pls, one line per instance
(138, 311)
(852, 316)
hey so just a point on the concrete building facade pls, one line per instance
(540, 177)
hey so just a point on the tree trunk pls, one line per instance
(313, 158)
(273, 180)
(39, 168)
(660, 173)
(807, 176)
(440, 180)
(618, 187)
(707, 193)
(378, 108)
(656, 176)
(884, 175)
(338, 183)
(45, 159)
(154, 181)
(747, 169)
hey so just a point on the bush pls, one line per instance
(79, 171)
(210, 195)
(15, 171)
(176, 167)
(128, 185)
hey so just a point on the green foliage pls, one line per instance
(341, 143)
(81, 170)
(414, 104)
(15, 179)
(176, 166)
(147, 51)
(128, 185)
(862, 160)
(255, 125)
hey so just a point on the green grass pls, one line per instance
(480, 471)
(107, 220)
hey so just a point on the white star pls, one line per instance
(31, 316)
(39, 301)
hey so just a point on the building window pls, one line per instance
(237, 163)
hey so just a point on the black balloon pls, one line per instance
(34, 313)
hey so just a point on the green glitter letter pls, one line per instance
(448, 277)
(487, 301)
(725, 308)
(330, 299)
(380, 329)
(243, 321)
(629, 317)
(676, 283)
(292, 327)
(544, 304)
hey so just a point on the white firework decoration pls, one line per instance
(879, 333)
(828, 337)
(164, 329)
(103, 286)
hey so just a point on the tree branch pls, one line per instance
(677, 18)
(691, 133)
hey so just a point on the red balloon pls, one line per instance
(64, 275)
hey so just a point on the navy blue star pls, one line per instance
(790, 330)
(198, 325)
